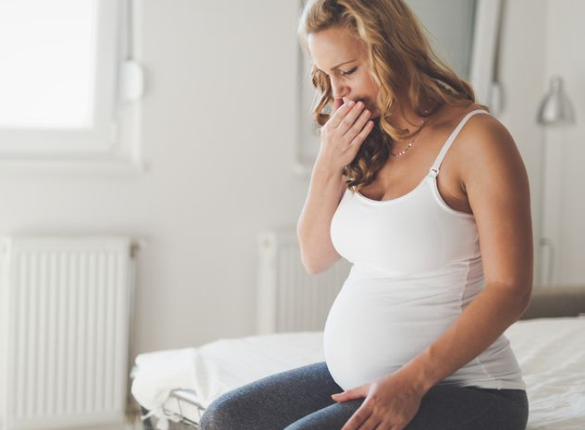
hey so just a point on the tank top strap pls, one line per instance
(434, 171)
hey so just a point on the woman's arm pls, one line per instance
(496, 183)
(325, 192)
(341, 138)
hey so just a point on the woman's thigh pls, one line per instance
(444, 407)
(273, 402)
(471, 408)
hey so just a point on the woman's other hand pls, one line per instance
(343, 134)
(391, 403)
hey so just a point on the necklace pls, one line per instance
(398, 154)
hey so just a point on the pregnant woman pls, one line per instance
(426, 194)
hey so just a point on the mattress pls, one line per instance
(549, 350)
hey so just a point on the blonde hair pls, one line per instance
(399, 56)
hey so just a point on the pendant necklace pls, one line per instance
(398, 154)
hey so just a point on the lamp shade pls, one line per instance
(556, 109)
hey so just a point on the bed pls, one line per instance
(174, 387)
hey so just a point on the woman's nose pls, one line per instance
(339, 90)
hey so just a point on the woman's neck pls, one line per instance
(404, 117)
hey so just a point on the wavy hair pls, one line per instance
(400, 56)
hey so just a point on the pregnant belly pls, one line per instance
(373, 329)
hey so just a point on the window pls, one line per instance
(68, 90)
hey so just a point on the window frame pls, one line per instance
(113, 139)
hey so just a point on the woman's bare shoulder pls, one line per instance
(486, 147)
(484, 133)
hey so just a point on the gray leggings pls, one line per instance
(299, 399)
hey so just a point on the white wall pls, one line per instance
(219, 127)
(564, 155)
(218, 135)
(549, 42)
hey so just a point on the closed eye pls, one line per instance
(349, 72)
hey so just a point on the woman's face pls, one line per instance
(344, 59)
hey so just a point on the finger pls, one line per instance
(358, 125)
(372, 423)
(340, 113)
(385, 425)
(359, 139)
(349, 119)
(353, 393)
(397, 426)
(356, 420)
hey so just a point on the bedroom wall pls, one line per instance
(219, 139)
(564, 155)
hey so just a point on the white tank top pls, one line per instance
(416, 266)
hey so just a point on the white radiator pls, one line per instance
(66, 321)
(290, 299)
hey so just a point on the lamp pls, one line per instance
(555, 110)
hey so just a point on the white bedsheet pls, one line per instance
(550, 351)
